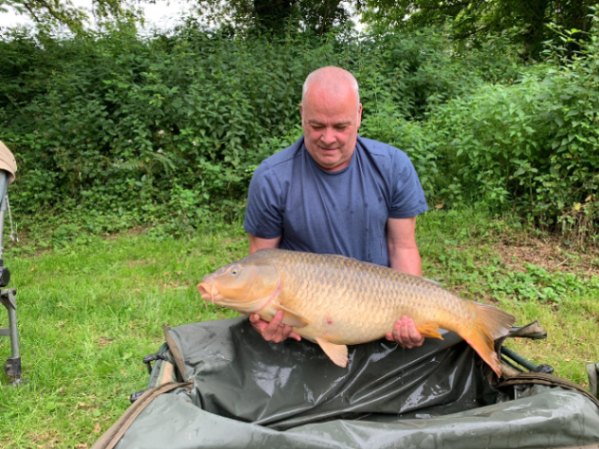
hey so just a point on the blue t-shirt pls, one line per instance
(342, 212)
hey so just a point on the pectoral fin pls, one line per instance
(337, 353)
(292, 318)
(429, 329)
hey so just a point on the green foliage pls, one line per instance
(167, 131)
(113, 124)
(51, 15)
(413, 73)
(525, 23)
(529, 147)
(110, 121)
(536, 283)
(274, 18)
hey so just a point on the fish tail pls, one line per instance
(489, 324)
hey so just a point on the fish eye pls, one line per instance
(234, 271)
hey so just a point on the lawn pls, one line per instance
(90, 311)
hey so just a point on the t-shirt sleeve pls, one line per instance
(408, 199)
(263, 215)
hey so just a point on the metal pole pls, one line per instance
(12, 367)
(3, 192)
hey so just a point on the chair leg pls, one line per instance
(12, 367)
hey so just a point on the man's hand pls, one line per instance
(275, 330)
(405, 333)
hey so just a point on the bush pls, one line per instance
(529, 147)
(111, 125)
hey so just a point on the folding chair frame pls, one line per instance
(8, 298)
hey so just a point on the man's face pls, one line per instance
(331, 120)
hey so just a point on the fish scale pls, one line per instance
(337, 301)
(380, 303)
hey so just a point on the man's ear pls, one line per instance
(359, 115)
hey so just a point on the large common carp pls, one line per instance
(337, 301)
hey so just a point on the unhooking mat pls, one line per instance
(219, 385)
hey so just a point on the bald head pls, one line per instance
(331, 116)
(331, 79)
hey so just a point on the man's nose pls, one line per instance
(328, 135)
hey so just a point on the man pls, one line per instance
(335, 192)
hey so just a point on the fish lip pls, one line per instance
(207, 291)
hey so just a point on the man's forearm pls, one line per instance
(406, 260)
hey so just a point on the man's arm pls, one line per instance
(401, 243)
(404, 257)
(257, 243)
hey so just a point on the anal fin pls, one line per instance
(429, 329)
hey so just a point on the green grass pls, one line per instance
(474, 256)
(90, 311)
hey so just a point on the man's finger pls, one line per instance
(272, 331)
(404, 333)
(295, 336)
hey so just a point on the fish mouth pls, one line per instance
(208, 291)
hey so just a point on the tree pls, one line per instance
(528, 20)
(274, 17)
(48, 14)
